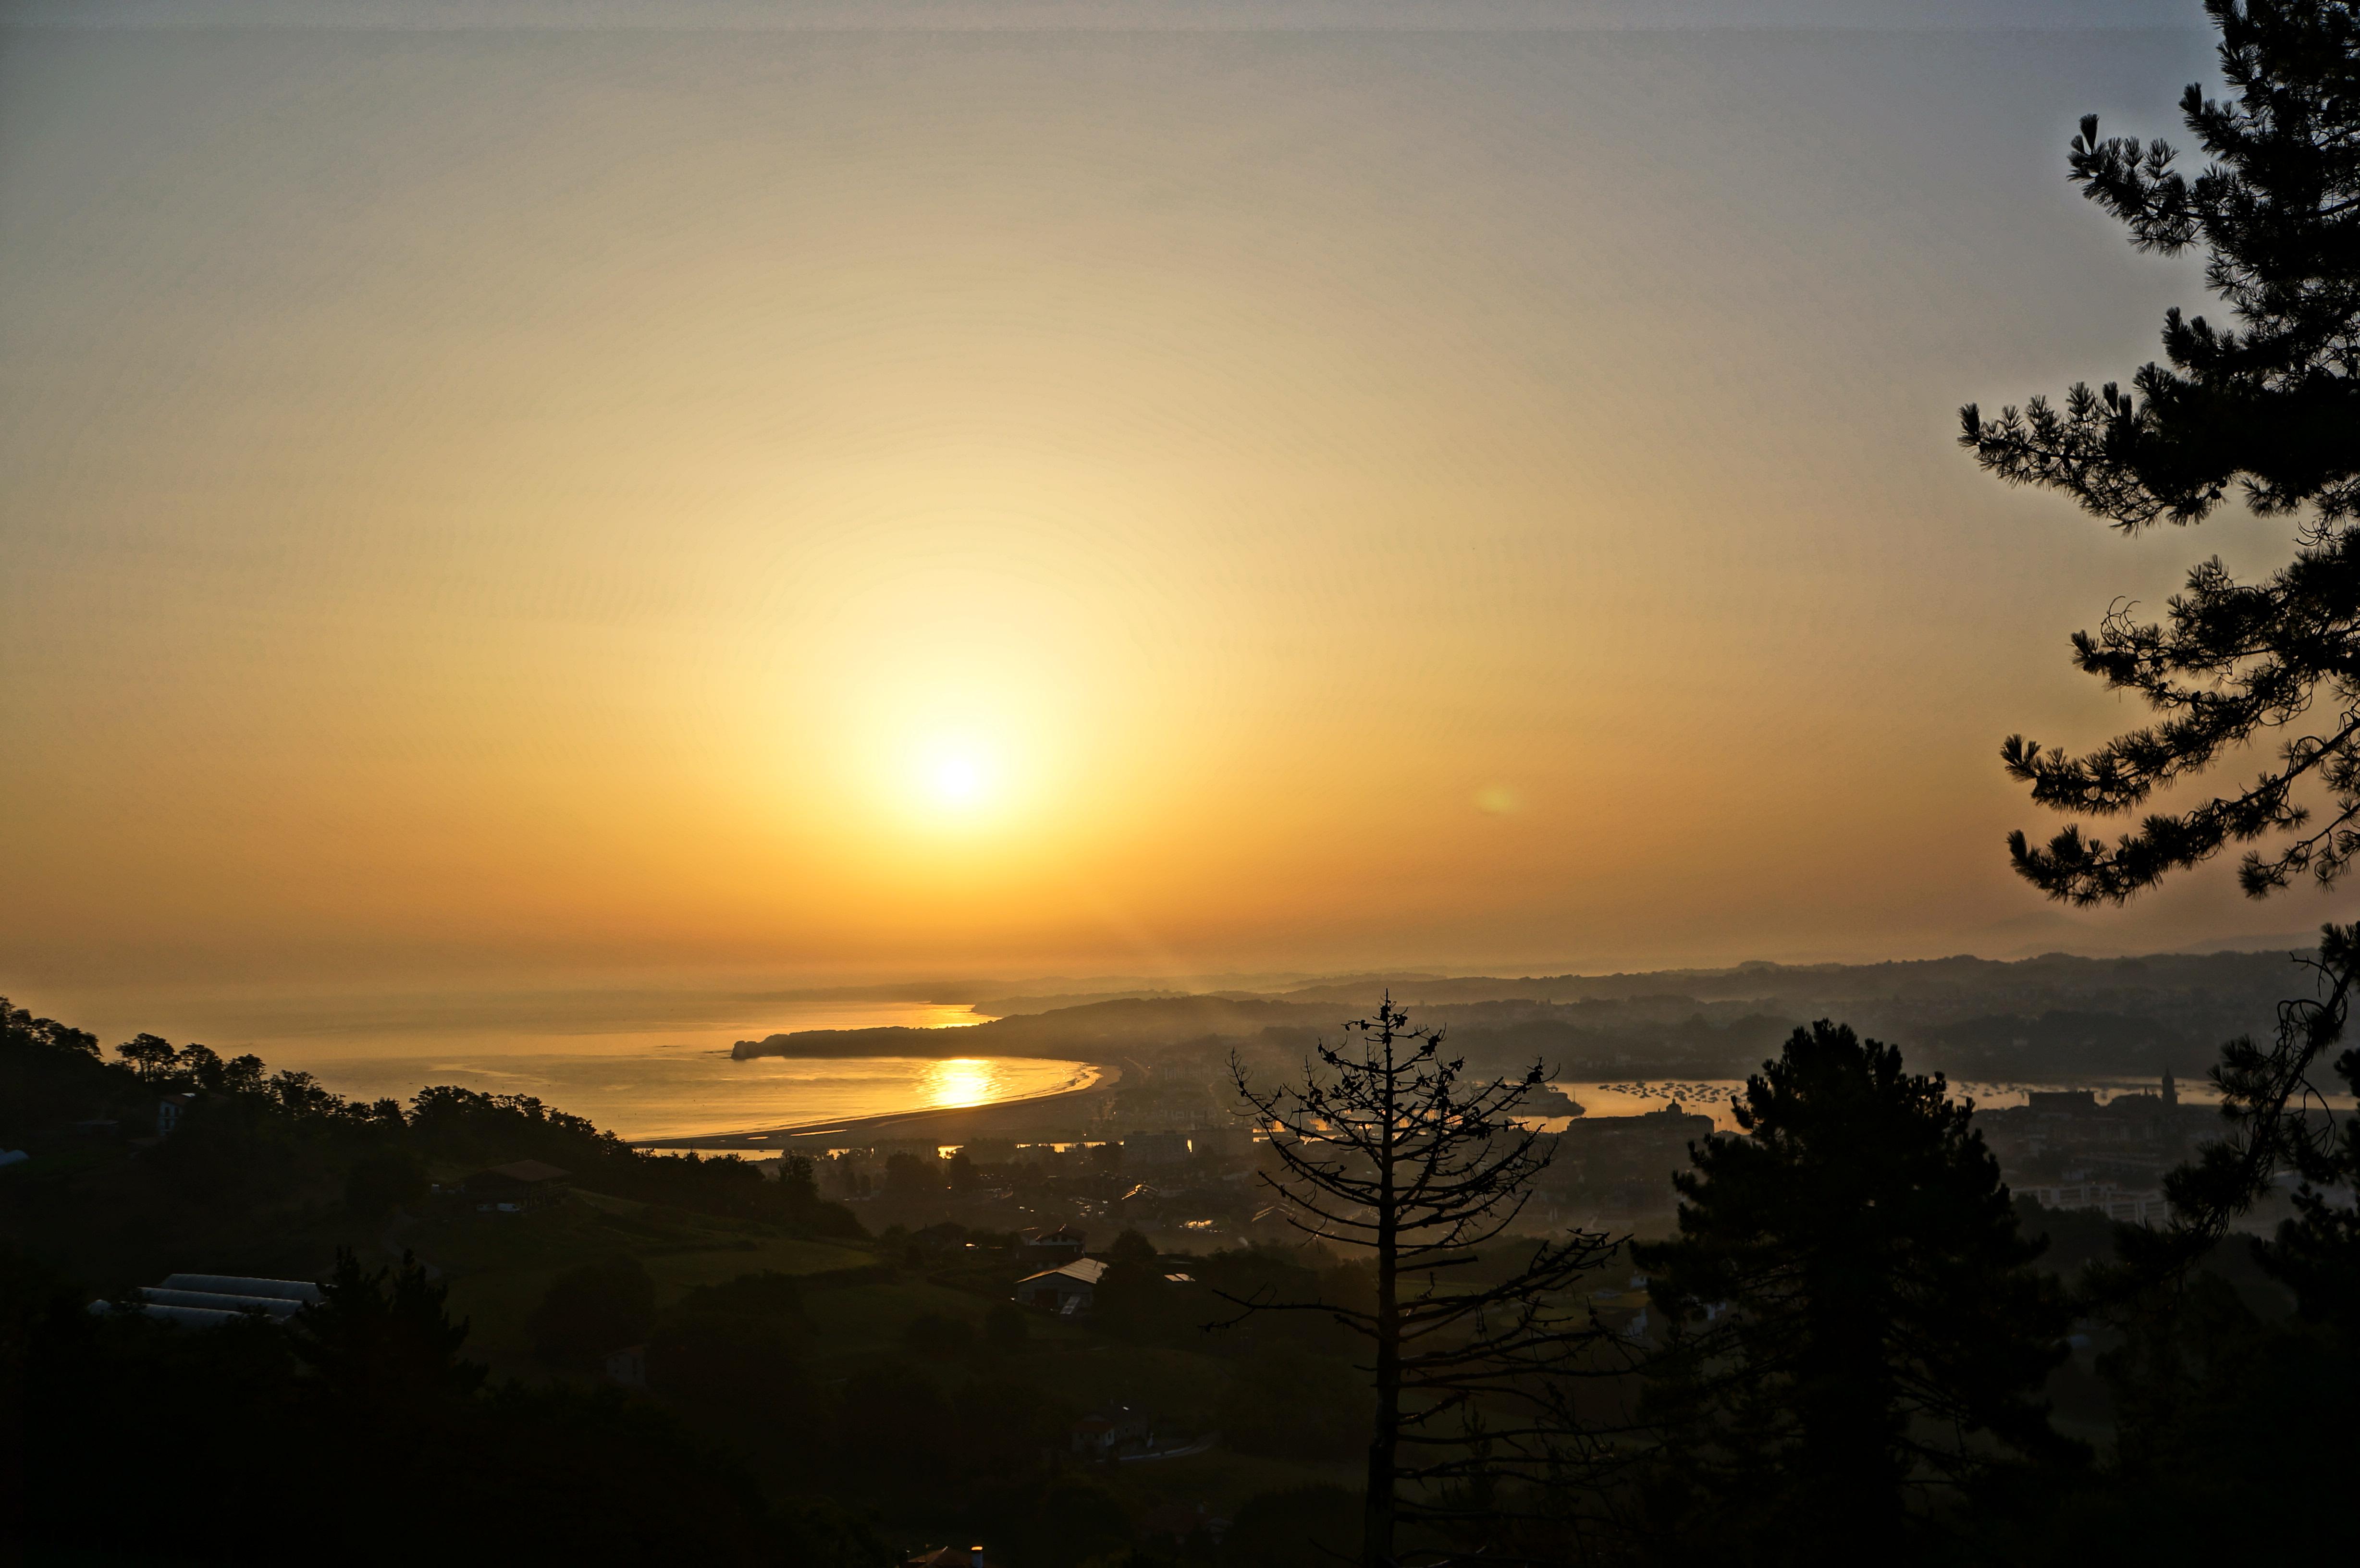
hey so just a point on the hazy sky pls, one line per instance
(596, 499)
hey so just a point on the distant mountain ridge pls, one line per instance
(1121, 1024)
(2052, 1015)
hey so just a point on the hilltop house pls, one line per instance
(1113, 1430)
(517, 1187)
(1068, 1289)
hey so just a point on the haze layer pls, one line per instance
(507, 503)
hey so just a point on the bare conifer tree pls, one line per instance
(1391, 1148)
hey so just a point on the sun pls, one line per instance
(956, 778)
(959, 779)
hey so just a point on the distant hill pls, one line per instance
(1110, 1027)
(2052, 1015)
(2048, 974)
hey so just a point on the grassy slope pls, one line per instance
(500, 1265)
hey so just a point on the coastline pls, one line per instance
(994, 1118)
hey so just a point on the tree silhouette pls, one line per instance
(2271, 406)
(199, 1066)
(378, 1183)
(1851, 1312)
(1390, 1150)
(150, 1056)
(1133, 1287)
(382, 1340)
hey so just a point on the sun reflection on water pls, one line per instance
(960, 1081)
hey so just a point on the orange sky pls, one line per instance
(491, 504)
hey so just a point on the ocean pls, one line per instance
(641, 1068)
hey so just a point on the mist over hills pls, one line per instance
(2047, 1018)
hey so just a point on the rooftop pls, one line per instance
(1085, 1270)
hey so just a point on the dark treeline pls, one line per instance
(251, 1140)
(365, 1423)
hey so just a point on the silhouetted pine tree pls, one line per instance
(2269, 405)
(1850, 1315)
(1390, 1148)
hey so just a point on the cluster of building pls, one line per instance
(2069, 1151)
(2145, 1205)
(1191, 1181)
